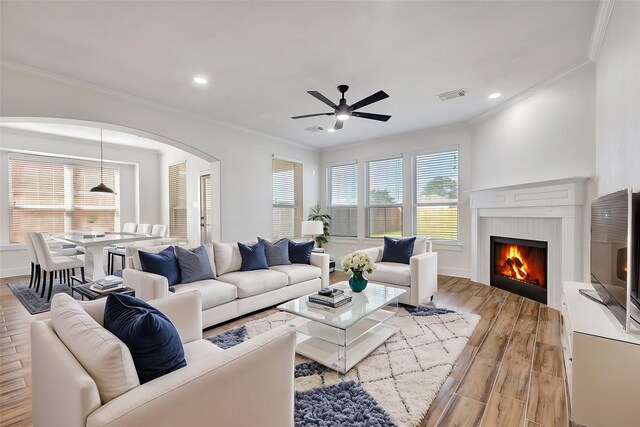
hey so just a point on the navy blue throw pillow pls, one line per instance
(253, 257)
(300, 253)
(194, 264)
(163, 263)
(398, 250)
(152, 339)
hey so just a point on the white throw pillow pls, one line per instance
(227, 257)
(101, 354)
(420, 246)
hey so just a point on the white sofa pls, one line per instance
(215, 388)
(233, 293)
(419, 278)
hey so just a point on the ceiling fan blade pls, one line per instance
(338, 125)
(322, 98)
(379, 117)
(378, 96)
(313, 115)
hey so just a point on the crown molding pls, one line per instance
(532, 91)
(143, 101)
(605, 7)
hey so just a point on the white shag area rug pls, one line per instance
(405, 373)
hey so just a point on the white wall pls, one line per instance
(139, 175)
(550, 135)
(195, 167)
(245, 156)
(618, 101)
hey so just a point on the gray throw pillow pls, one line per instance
(194, 264)
(277, 253)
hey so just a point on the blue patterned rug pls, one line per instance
(30, 299)
(392, 387)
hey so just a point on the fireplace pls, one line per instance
(519, 266)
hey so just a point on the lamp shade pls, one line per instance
(312, 228)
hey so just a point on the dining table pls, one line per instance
(94, 245)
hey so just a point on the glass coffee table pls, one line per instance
(340, 340)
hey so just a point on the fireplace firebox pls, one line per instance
(520, 266)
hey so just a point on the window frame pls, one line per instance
(297, 206)
(368, 206)
(414, 195)
(329, 194)
(72, 204)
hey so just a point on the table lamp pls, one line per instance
(312, 228)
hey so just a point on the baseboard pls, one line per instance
(15, 271)
(455, 272)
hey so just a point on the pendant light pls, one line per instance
(101, 188)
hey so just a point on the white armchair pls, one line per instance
(247, 385)
(419, 278)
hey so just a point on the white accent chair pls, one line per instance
(250, 384)
(419, 278)
(59, 264)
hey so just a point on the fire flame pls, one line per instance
(515, 253)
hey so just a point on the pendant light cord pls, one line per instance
(101, 172)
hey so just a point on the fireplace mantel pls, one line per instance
(551, 211)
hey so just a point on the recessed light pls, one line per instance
(200, 80)
(331, 130)
(495, 95)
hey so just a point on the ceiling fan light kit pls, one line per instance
(343, 111)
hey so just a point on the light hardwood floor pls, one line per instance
(510, 373)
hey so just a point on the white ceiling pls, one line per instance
(262, 57)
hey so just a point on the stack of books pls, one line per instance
(107, 284)
(337, 300)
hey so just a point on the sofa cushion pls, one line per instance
(212, 292)
(255, 282)
(253, 257)
(101, 353)
(277, 253)
(163, 263)
(300, 253)
(227, 257)
(194, 264)
(398, 250)
(391, 272)
(298, 273)
(200, 349)
(152, 339)
(420, 246)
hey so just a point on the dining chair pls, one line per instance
(33, 258)
(50, 264)
(143, 229)
(129, 227)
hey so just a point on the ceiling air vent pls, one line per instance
(451, 95)
(314, 128)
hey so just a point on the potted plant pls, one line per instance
(317, 215)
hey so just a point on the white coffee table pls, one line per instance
(340, 340)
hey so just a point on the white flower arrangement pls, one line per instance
(358, 262)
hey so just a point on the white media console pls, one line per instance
(602, 362)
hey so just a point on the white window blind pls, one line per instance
(178, 201)
(435, 189)
(287, 198)
(383, 204)
(342, 188)
(51, 195)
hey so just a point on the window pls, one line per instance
(287, 198)
(342, 189)
(52, 195)
(178, 201)
(383, 204)
(435, 189)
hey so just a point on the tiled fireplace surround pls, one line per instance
(551, 211)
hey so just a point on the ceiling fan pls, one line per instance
(342, 111)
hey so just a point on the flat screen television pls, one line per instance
(615, 254)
